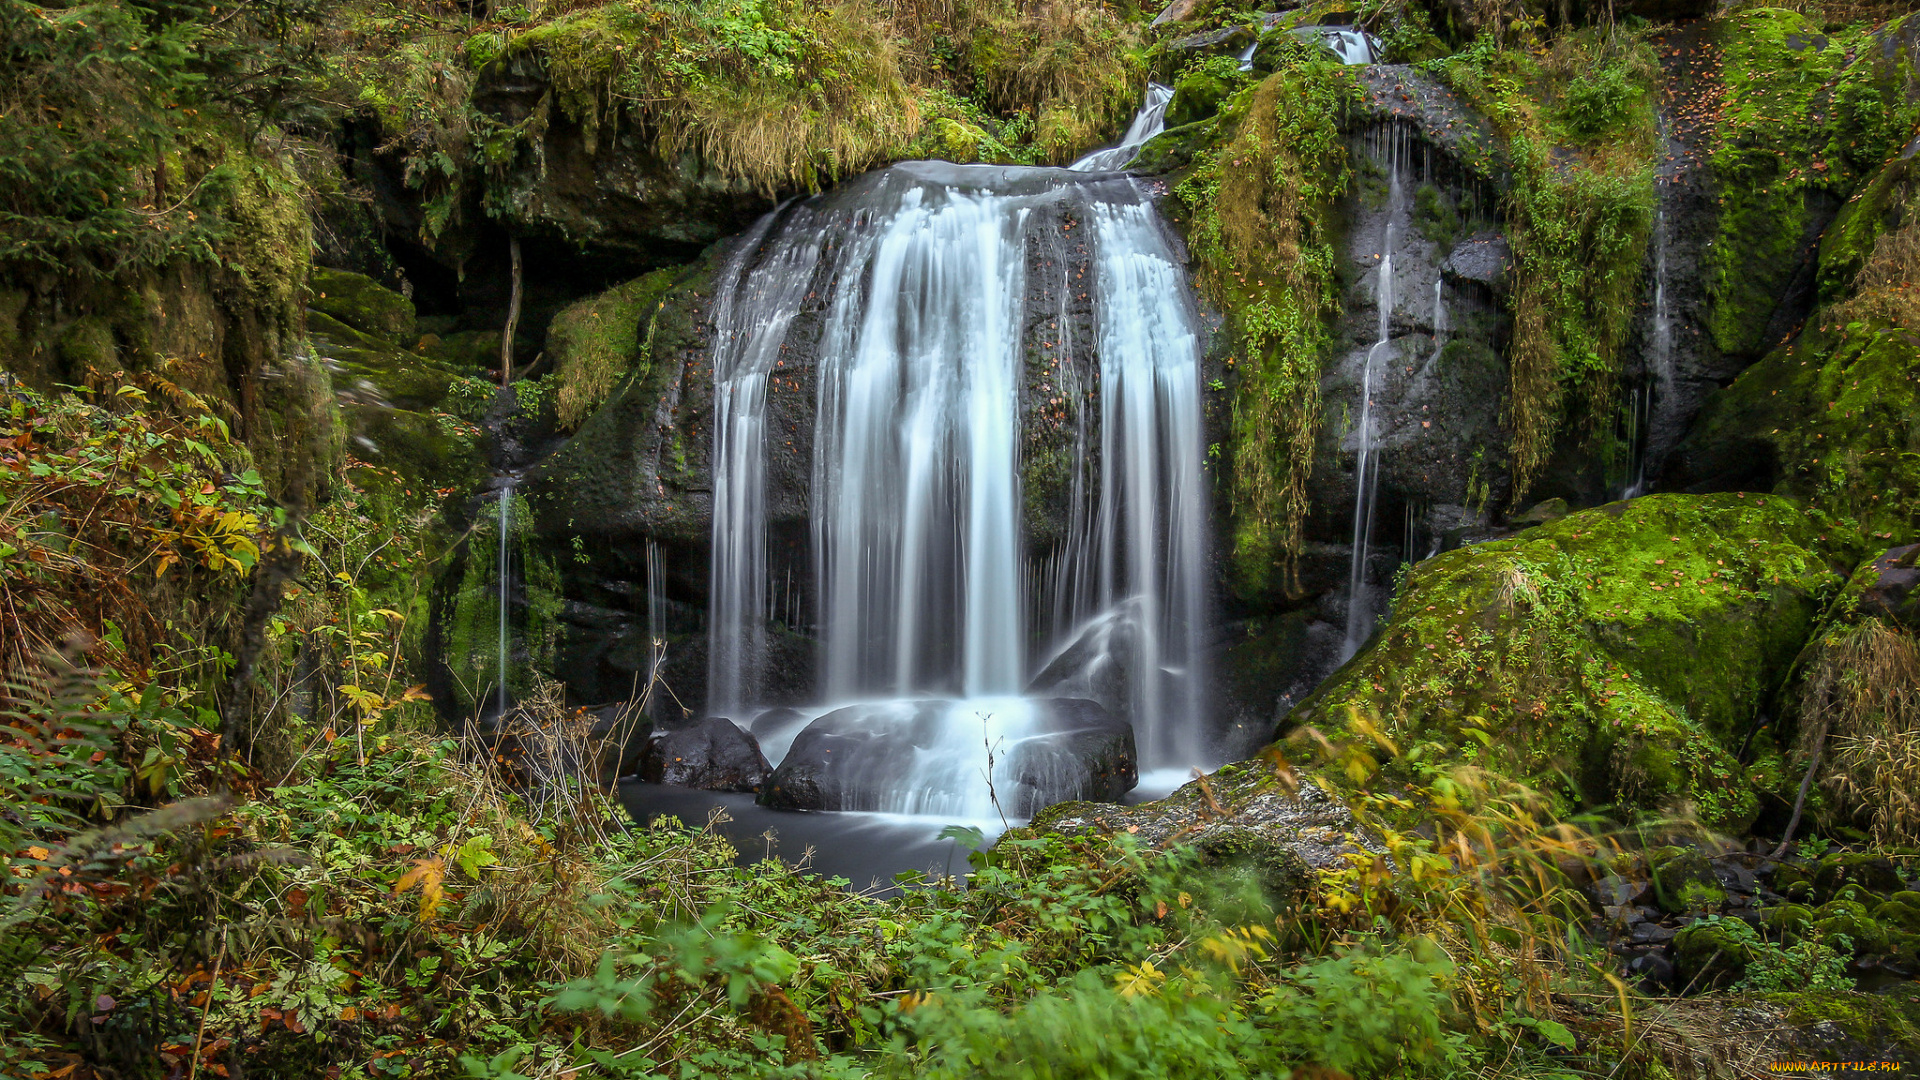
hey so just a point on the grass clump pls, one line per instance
(1861, 698)
(1257, 208)
(774, 91)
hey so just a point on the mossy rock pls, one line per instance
(1807, 115)
(1832, 420)
(1850, 918)
(1683, 880)
(467, 351)
(596, 342)
(1842, 1026)
(1788, 922)
(1615, 657)
(1872, 873)
(1898, 914)
(1196, 97)
(1710, 954)
(379, 371)
(362, 303)
(1175, 148)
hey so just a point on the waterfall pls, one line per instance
(503, 572)
(925, 284)
(750, 324)
(1366, 471)
(656, 617)
(1659, 364)
(1151, 120)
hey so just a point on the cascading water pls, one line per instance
(1659, 364)
(752, 319)
(1151, 120)
(1366, 471)
(503, 571)
(926, 608)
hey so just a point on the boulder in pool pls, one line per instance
(930, 757)
(714, 755)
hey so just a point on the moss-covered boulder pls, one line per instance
(362, 303)
(1832, 419)
(1616, 657)
(1197, 96)
(395, 412)
(1807, 115)
(596, 342)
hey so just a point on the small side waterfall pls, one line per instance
(1659, 364)
(1366, 471)
(503, 571)
(925, 387)
(1151, 120)
(751, 323)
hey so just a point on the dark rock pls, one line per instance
(1647, 933)
(1483, 259)
(714, 755)
(1888, 591)
(855, 758)
(1615, 891)
(1655, 972)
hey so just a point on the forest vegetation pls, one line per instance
(247, 579)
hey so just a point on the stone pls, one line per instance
(1683, 880)
(1483, 259)
(714, 755)
(1542, 512)
(854, 758)
(1247, 800)
(362, 303)
(1888, 591)
(1647, 593)
(1614, 891)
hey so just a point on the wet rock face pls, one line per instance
(846, 759)
(1430, 389)
(1891, 592)
(713, 755)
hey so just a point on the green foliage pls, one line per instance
(104, 109)
(1602, 102)
(1578, 237)
(1257, 208)
(122, 523)
(774, 91)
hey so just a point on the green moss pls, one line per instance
(1198, 95)
(1805, 111)
(1832, 417)
(598, 341)
(1614, 657)
(362, 303)
(773, 91)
